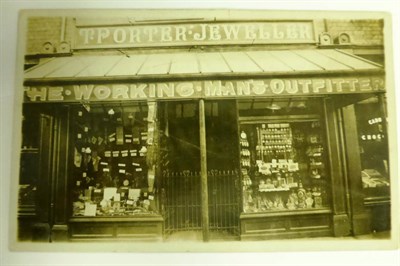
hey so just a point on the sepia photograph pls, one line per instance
(184, 130)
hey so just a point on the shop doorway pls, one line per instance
(180, 166)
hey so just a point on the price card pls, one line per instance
(121, 165)
(80, 113)
(103, 163)
(90, 209)
(115, 153)
(138, 169)
(117, 197)
(84, 174)
(106, 170)
(107, 153)
(133, 193)
(79, 136)
(135, 164)
(86, 129)
(109, 192)
(128, 140)
(121, 171)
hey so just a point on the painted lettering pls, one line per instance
(231, 31)
(180, 33)
(184, 89)
(88, 35)
(317, 85)
(34, 93)
(102, 33)
(119, 35)
(201, 36)
(137, 91)
(165, 89)
(120, 91)
(277, 86)
(243, 87)
(83, 92)
(212, 88)
(102, 92)
(214, 33)
(166, 34)
(55, 94)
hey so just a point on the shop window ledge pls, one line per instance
(102, 219)
(371, 201)
(285, 213)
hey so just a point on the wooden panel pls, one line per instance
(99, 67)
(212, 63)
(240, 62)
(43, 184)
(360, 220)
(265, 225)
(184, 63)
(309, 222)
(138, 230)
(92, 230)
(336, 172)
(322, 60)
(127, 65)
(268, 62)
(311, 225)
(62, 149)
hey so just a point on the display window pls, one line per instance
(373, 146)
(283, 155)
(113, 173)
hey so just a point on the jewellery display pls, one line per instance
(283, 166)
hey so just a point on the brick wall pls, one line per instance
(362, 32)
(41, 30)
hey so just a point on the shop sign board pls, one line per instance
(205, 89)
(211, 33)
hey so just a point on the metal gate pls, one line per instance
(223, 201)
(182, 201)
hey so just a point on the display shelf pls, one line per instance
(285, 189)
(276, 213)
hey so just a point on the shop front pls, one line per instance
(249, 143)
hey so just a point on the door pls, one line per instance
(180, 166)
(222, 164)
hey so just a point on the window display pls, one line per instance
(112, 152)
(283, 166)
(373, 145)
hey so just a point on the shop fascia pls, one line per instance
(205, 89)
(204, 32)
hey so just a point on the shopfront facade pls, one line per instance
(230, 127)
